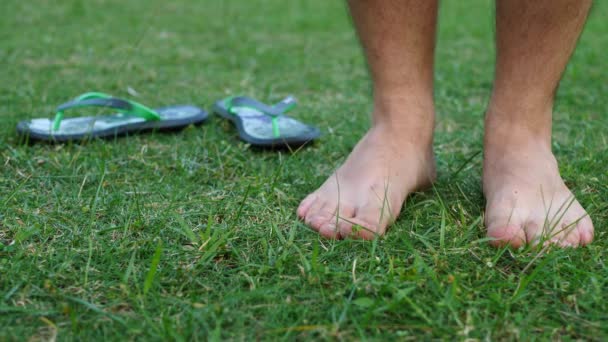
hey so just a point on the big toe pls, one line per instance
(506, 234)
(319, 214)
(305, 205)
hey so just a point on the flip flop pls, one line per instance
(132, 117)
(266, 126)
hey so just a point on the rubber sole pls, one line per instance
(134, 128)
(220, 110)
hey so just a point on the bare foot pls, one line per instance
(367, 192)
(527, 200)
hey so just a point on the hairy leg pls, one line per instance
(527, 200)
(395, 156)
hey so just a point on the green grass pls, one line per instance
(194, 235)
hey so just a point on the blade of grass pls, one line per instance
(153, 267)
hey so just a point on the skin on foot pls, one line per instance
(367, 192)
(527, 200)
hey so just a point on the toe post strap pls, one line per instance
(274, 111)
(96, 99)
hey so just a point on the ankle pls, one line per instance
(529, 110)
(407, 118)
(514, 126)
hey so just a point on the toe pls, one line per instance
(329, 230)
(320, 220)
(373, 216)
(505, 229)
(319, 215)
(569, 234)
(313, 212)
(345, 227)
(537, 232)
(506, 234)
(345, 211)
(368, 222)
(541, 232)
(585, 230)
(357, 228)
(338, 223)
(305, 205)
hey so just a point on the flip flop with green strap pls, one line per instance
(132, 117)
(266, 126)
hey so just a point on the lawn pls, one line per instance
(193, 235)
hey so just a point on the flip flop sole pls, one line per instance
(238, 122)
(174, 118)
